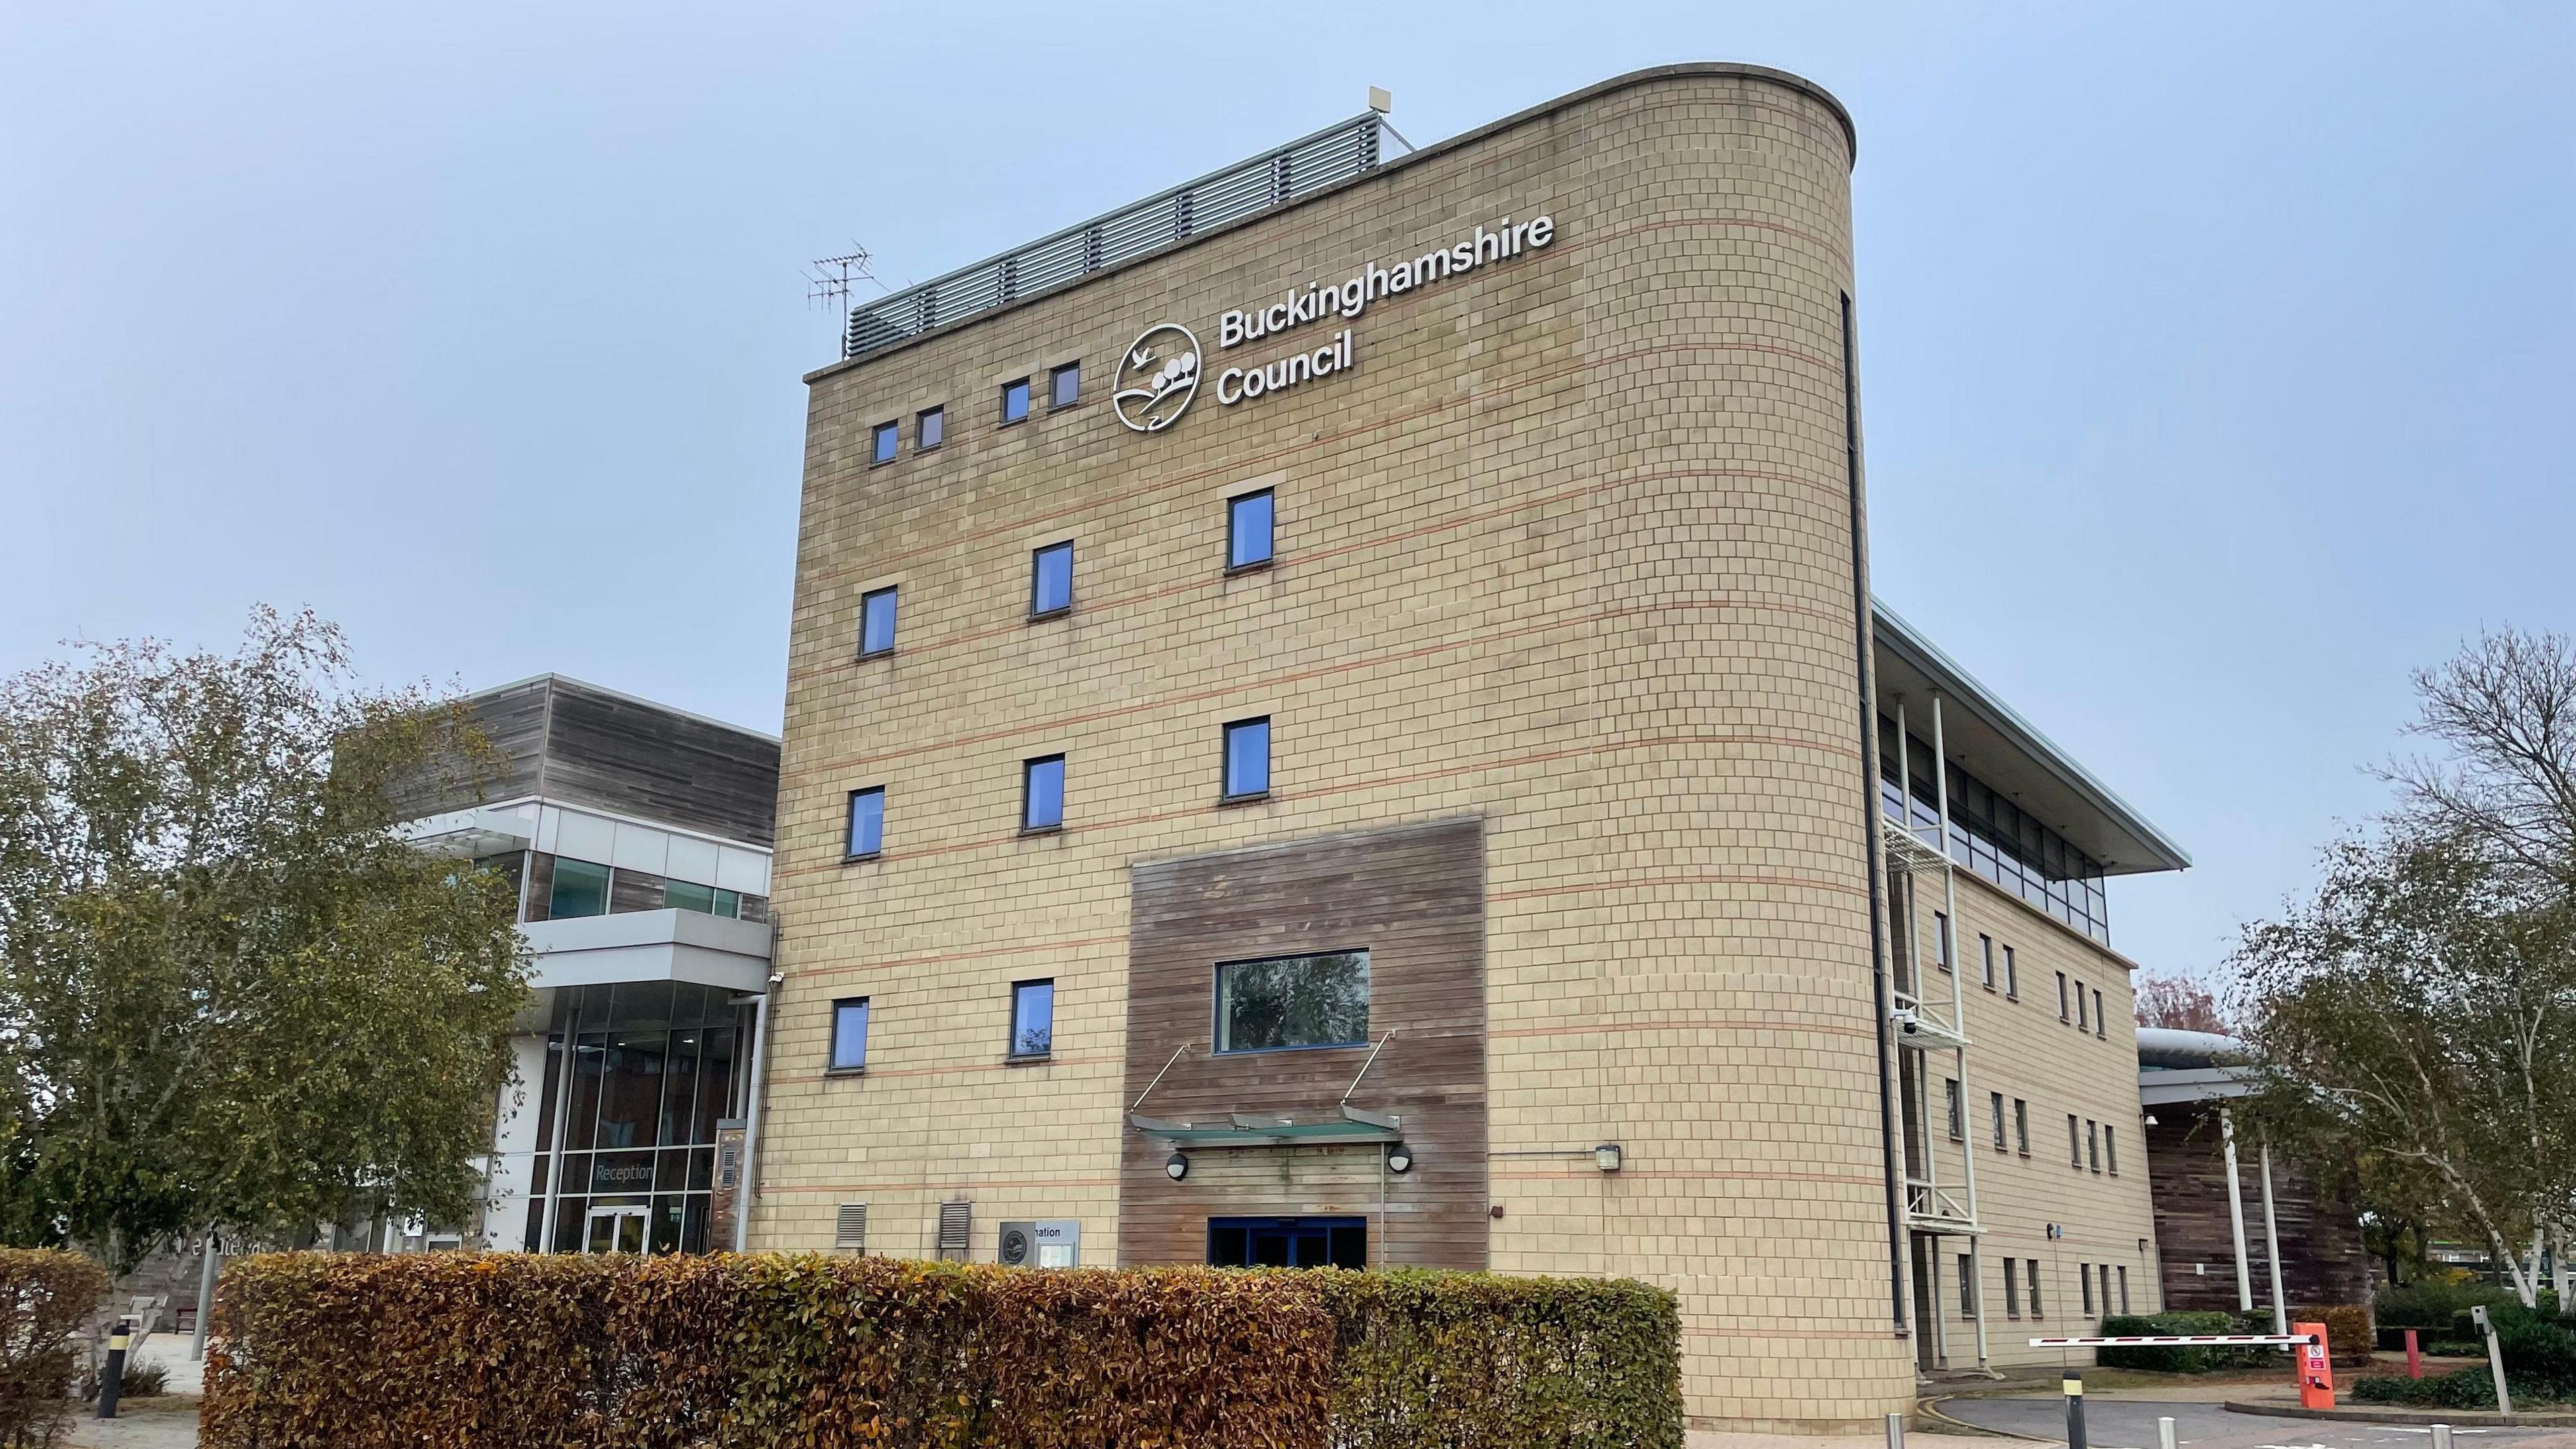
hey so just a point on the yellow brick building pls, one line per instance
(1332, 717)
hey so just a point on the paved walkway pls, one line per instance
(2126, 1419)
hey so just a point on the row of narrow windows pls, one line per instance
(1243, 775)
(2094, 1282)
(930, 425)
(1999, 970)
(1249, 537)
(2089, 1144)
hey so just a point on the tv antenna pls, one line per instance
(830, 280)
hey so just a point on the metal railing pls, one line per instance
(1274, 178)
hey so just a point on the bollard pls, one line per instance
(1896, 1431)
(111, 1376)
(2441, 1436)
(2165, 1434)
(2414, 1356)
(2073, 1387)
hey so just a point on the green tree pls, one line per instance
(2416, 1016)
(230, 994)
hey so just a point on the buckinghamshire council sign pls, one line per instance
(1158, 375)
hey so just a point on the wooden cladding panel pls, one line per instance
(1414, 898)
(2323, 1257)
(658, 764)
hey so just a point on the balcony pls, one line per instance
(666, 945)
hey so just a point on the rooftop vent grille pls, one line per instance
(1300, 168)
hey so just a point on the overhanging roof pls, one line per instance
(1987, 738)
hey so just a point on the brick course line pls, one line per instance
(950, 1070)
(1262, 462)
(1608, 1028)
(816, 973)
(945, 1184)
(1659, 881)
(1293, 563)
(1379, 782)
(1847, 1179)
(1273, 682)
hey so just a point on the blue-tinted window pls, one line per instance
(1247, 758)
(882, 446)
(930, 428)
(1015, 400)
(1042, 793)
(1064, 385)
(876, 622)
(580, 889)
(867, 822)
(1247, 530)
(1051, 580)
(850, 1034)
(684, 895)
(1032, 1018)
(1293, 1001)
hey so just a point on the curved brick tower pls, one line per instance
(1560, 649)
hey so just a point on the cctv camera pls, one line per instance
(1906, 1019)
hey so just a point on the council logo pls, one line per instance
(1156, 378)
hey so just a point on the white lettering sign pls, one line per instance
(1348, 299)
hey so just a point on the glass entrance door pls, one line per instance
(614, 1230)
(1287, 1242)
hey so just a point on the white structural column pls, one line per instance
(2272, 1246)
(2236, 1213)
(1971, 1297)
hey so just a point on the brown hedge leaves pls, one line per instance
(767, 1352)
(46, 1298)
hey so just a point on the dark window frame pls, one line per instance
(924, 422)
(2021, 1127)
(1010, 419)
(1996, 1100)
(1986, 960)
(1218, 1035)
(1028, 794)
(1270, 544)
(850, 820)
(867, 603)
(879, 454)
(1011, 1050)
(1941, 934)
(1037, 574)
(832, 1048)
(2012, 975)
(1226, 793)
(1056, 400)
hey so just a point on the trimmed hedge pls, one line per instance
(806, 1352)
(2466, 1389)
(2180, 1360)
(2539, 1352)
(2348, 1332)
(46, 1298)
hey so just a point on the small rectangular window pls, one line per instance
(1247, 530)
(882, 443)
(867, 822)
(1995, 1100)
(2111, 1148)
(1941, 939)
(2084, 1276)
(1015, 400)
(850, 1034)
(1958, 1110)
(1967, 1286)
(2093, 1143)
(2021, 1127)
(1032, 1018)
(1042, 793)
(1064, 385)
(2032, 1264)
(1293, 1001)
(2106, 1288)
(2074, 1142)
(2061, 996)
(580, 889)
(1986, 960)
(929, 427)
(2012, 1288)
(2101, 1023)
(2012, 975)
(2083, 1020)
(876, 623)
(2124, 1287)
(1247, 758)
(1051, 580)
(680, 895)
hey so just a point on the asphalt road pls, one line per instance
(2131, 1424)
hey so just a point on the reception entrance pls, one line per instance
(1287, 1242)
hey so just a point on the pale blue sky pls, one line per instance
(2218, 359)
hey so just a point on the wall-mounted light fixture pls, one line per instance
(1176, 1166)
(1606, 1157)
(1399, 1158)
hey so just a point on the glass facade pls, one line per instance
(630, 1132)
(1992, 837)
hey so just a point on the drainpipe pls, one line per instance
(760, 1019)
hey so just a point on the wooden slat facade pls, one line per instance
(1414, 898)
(2323, 1258)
